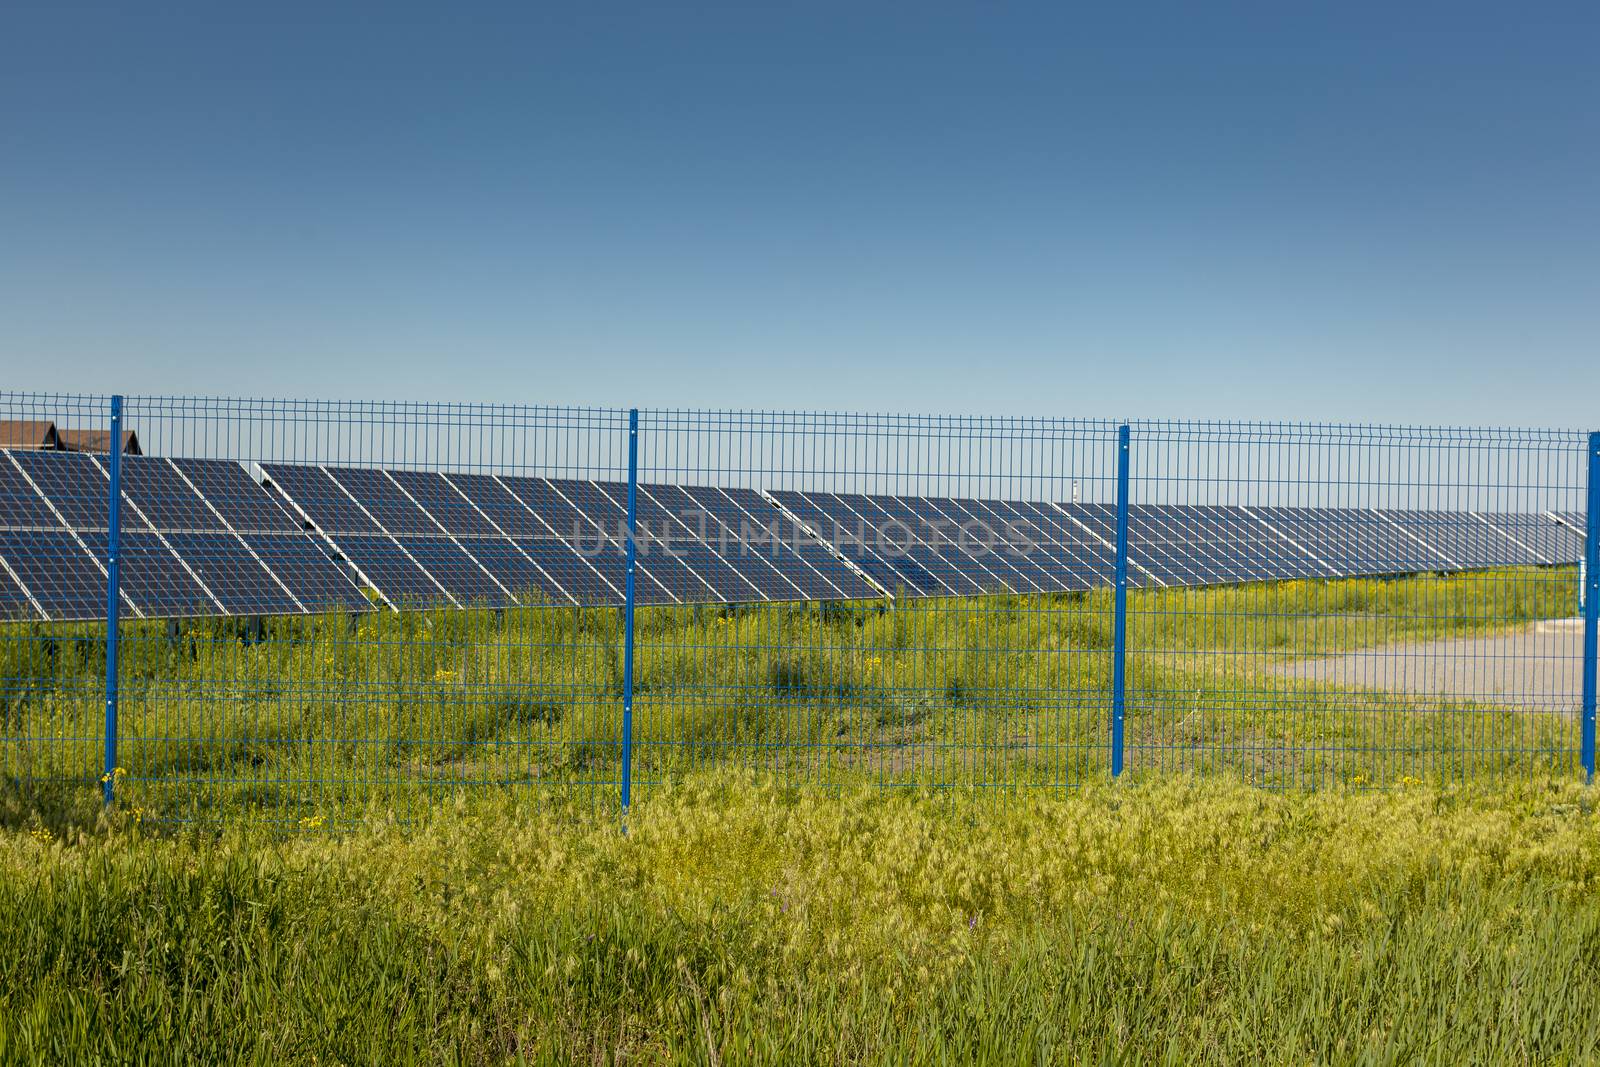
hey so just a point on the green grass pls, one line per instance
(334, 713)
(1173, 921)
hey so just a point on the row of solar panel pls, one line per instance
(204, 536)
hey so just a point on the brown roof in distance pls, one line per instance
(97, 441)
(28, 433)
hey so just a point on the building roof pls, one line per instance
(28, 433)
(97, 441)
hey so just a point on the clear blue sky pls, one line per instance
(1376, 212)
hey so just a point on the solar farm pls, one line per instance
(520, 730)
(221, 537)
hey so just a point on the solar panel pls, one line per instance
(979, 539)
(578, 576)
(665, 534)
(686, 527)
(992, 538)
(381, 562)
(1461, 538)
(234, 576)
(166, 500)
(518, 572)
(918, 529)
(455, 569)
(152, 577)
(240, 499)
(21, 506)
(833, 521)
(1353, 541)
(448, 507)
(1193, 545)
(384, 501)
(14, 602)
(596, 545)
(314, 579)
(53, 567)
(832, 572)
(571, 574)
(227, 543)
(502, 508)
(1549, 541)
(320, 498)
(671, 573)
(1065, 541)
(898, 541)
(715, 519)
(77, 487)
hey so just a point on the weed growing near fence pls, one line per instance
(1171, 921)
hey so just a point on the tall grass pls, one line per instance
(1175, 921)
(339, 711)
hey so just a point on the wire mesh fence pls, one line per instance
(291, 609)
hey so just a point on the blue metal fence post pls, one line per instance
(1119, 640)
(113, 599)
(627, 609)
(1591, 602)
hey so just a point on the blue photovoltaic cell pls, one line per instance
(391, 570)
(935, 532)
(897, 566)
(1462, 539)
(320, 497)
(1577, 523)
(384, 501)
(164, 497)
(1352, 541)
(57, 571)
(1549, 541)
(21, 507)
(247, 505)
(558, 514)
(237, 578)
(1064, 542)
(1255, 551)
(1193, 545)
(77, 487)
(606, 512)
(816, 525)
(897, 543)
(517, 571)
(820, 570)
(14, 603)
(695, 539)
(508, 513)
(314, 579)
(152, 577)
(993, 542)
(719, 520)
(594, 536)
(605, 553)
(575, 574)
(455, 569)
(662, 533)
(449, 508)
(1039, 542)
(978, 541)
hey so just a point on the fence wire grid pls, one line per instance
(283, 610)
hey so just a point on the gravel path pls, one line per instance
(1537, 668)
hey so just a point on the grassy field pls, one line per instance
(1171, 921)
(327, 715)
